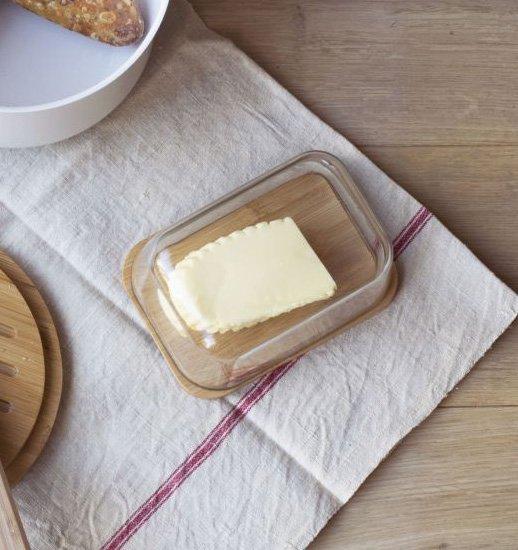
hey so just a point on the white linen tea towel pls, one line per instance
(135, 462)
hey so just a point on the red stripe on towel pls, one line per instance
(407, 226)
(225, 426)
(196, 458)
(408, 234)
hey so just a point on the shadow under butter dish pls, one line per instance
(339, 232)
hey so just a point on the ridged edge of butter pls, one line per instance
(202, 251)
(198, 254)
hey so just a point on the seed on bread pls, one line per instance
(115, 22)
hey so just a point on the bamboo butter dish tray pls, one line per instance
(305, 230)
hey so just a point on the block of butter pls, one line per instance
(249, 276)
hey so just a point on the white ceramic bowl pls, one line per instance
(55, 83)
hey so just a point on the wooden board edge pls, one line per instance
(41, 368)
(53, 371)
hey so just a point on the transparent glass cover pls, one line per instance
(315, 191)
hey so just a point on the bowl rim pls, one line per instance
(144, 44)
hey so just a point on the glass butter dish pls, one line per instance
(262, 275)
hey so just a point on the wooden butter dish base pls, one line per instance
(205, 393)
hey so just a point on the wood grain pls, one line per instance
(22, 370)
(452, 483)
(390, 72)
(12, 534)
(53, 371)
(426, 89)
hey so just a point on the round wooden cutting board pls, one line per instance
(22, 370)
(30, 371)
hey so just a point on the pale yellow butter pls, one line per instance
(246, 277)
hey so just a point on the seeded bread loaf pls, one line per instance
(116, 22)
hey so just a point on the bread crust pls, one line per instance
(116, 22)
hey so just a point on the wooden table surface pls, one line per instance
(429, 91)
